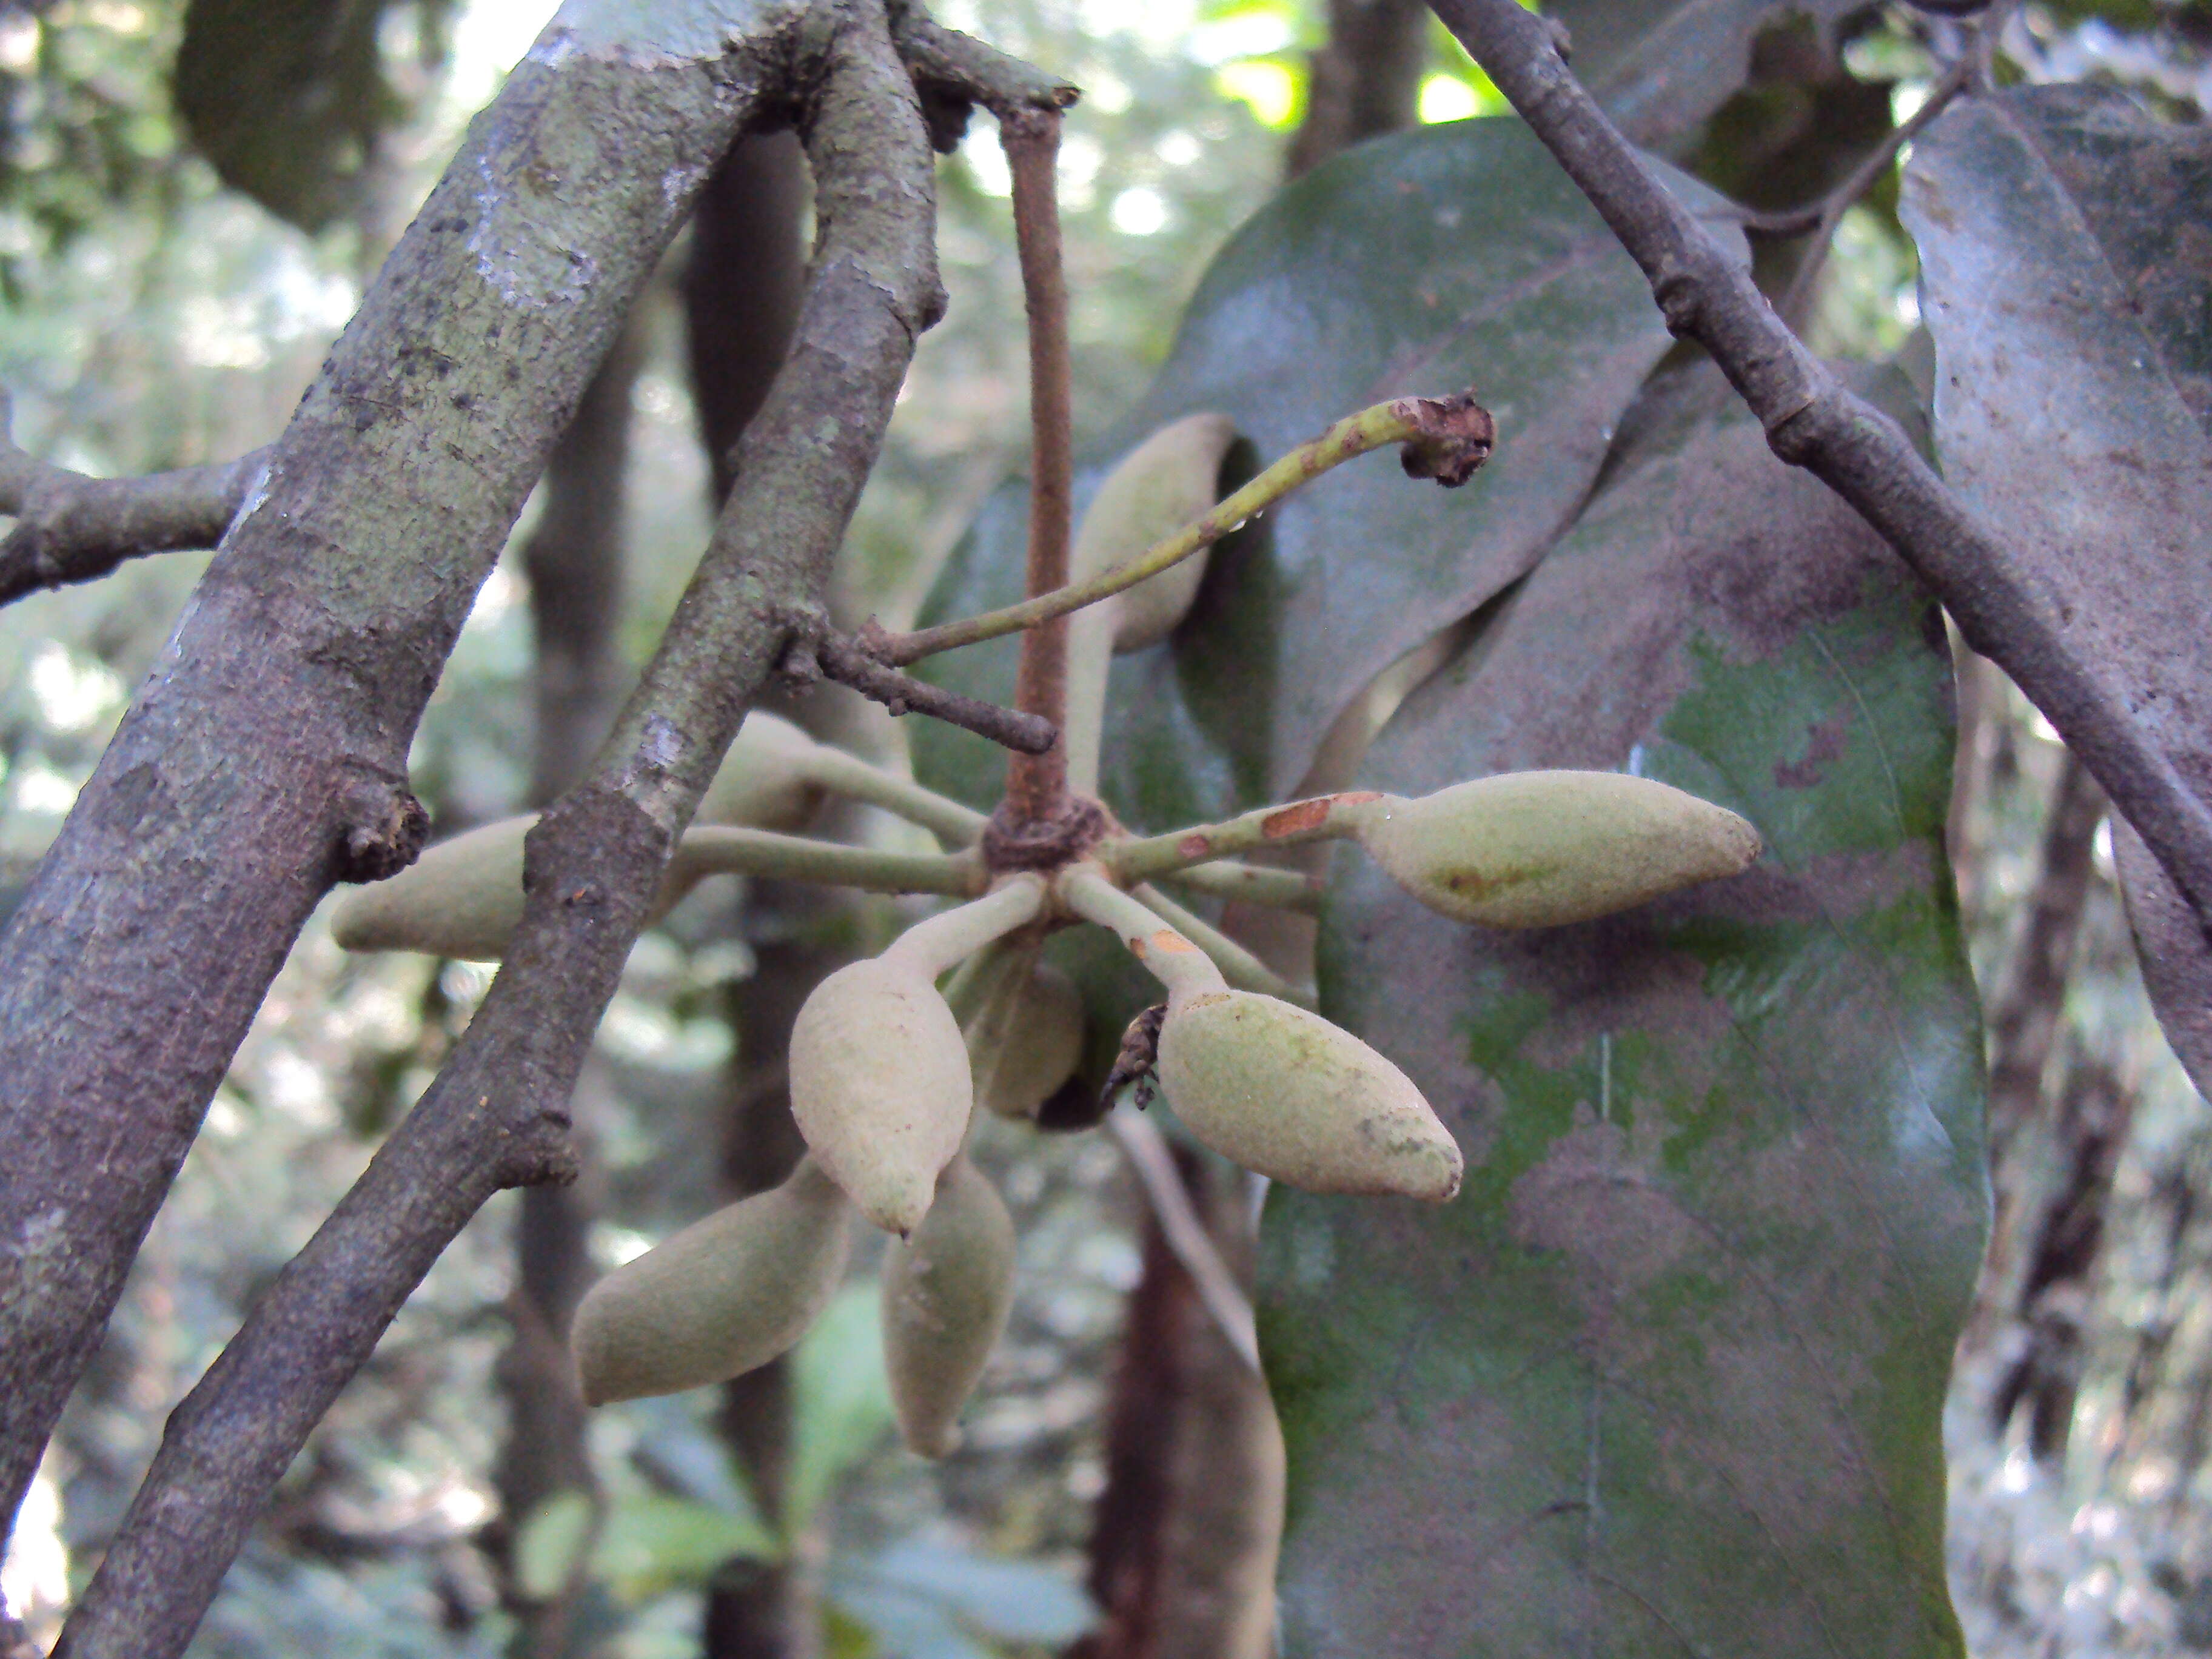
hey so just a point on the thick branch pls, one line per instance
(1862, 455)
(70, 528)
(496, 1115)
(1036, 785)
(149, 935)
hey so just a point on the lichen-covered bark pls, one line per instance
(265, 756)
(496, 1115)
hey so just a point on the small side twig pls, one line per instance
(71, 528)
(1037, 781)
(954, 71)
(1222, 1298)
(851, 663)
(1829, 214)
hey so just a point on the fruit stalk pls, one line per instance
(1036, 785)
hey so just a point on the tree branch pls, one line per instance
(71, 528)
(1822, 218)
(954, 71)
(850, 664)
(495, 1116)
(148, 937)
(1036, 784)
(1862, 455)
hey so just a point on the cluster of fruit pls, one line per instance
(890, 1057)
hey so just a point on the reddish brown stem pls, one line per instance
(1036, 785)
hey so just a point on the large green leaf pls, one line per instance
(1457, 255)
(2066, 246)
(287, 97)
(1660, 67)
(1668, 1376)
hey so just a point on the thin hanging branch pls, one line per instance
(1861, 453)
(1821, 219)
(496, 1115)
(1036, 784)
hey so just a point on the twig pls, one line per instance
(1252, 884)
(1961, 74)
(1037, 782)
(495, 1115)
(1238, 965)
(1445, 439)
(1321, 817)
(71, 528)
(846, 774)
(709, 849)
(1856, 451)
(1222, 1298)
(952, 70)
(850, 665)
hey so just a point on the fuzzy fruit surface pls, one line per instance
(1156, 490)
(1023, 1051)
(728, 1294)
(464, 896)
(1541, 849)
(947, 1290)
(880, 1087)
(1292, 1098)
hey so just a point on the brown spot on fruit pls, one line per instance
(1193, 846)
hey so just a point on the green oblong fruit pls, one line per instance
(462, 898)
(880, 1087)
(728, 1294)
(767, 781)
(1285, 1093)
(1022, 1049)
(1156, 489)
(1540, 849)
(947, 1290)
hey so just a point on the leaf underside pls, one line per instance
(1668, 1376)
(2066, 250)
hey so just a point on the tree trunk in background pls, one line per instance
(1183, 1557)
(573, 560)
(1365, 82)
(2096, 1106)
(2024, 1012)
(741, 287)
(741, 291)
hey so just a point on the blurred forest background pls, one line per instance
(1119, 1459)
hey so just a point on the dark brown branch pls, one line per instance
(1862, 455)
(849, 664)
(71, 528)
(1036, 783)
(495, 1116)
(953, 71)
(147, 941)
